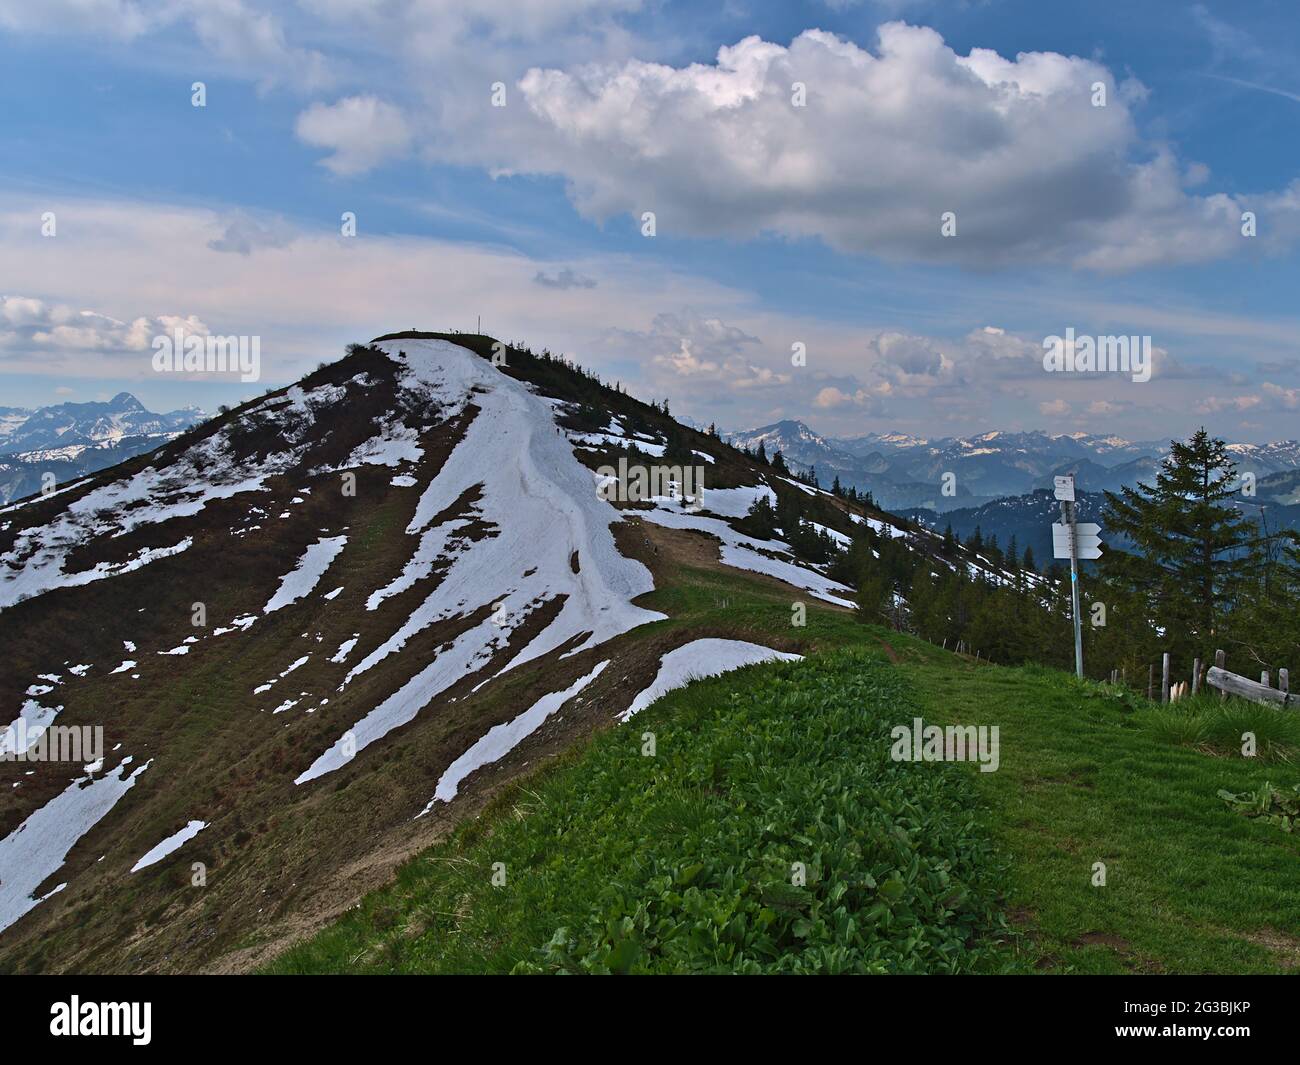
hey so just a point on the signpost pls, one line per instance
(1074, 541)
(1087, 540)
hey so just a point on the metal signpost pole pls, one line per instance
(1067, 516)
(1072, 542)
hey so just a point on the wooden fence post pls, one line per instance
(1263, 678)
(1196, 675)
(1219, 659)
(1284, 681)
(1164, 678)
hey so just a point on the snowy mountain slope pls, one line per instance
(299, 624)
(88, 424)
(70, 440)
(10, 419)
(543, 514)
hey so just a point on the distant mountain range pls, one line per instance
(70, 440)
(1029, 517)
(905, 472)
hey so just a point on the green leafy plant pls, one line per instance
(1272, 805)
(771, 833)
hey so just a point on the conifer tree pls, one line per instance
(1194, 551)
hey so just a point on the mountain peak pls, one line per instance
(124, 401)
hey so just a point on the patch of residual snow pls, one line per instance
(307, 574)
(538, 510)
(45, 571)
(22, 733)
(879, 526)
(171, 843)
(699, 659)
(744, 552)
(834, 534)
(206, 471)
(617, 435)
(37, 847)
(394, 444)
(735, 502)
(501, 739)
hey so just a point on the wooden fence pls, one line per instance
(1260, 692)
(1219, 678)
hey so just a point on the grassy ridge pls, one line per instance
(681, 862)
(1090, 774)
(685, 860)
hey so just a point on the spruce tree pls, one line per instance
(994, 551)
(1194, 552)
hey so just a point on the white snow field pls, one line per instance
(307, 574)
(879, 526)
(38, 846)
(743, 552)
(501, 739)
(616, 434)
(702, 658)
(171, 843)
(537, 504)
(735, 502)
(32, 721)
(834, 534)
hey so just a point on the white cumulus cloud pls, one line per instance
(361, 132)
(889, 140)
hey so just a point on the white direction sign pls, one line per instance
(1064, 487)
(1087, 540)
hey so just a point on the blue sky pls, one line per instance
(776, 225)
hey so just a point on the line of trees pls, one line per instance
(1199, 571)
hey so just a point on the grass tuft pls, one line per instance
(1223, 726)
